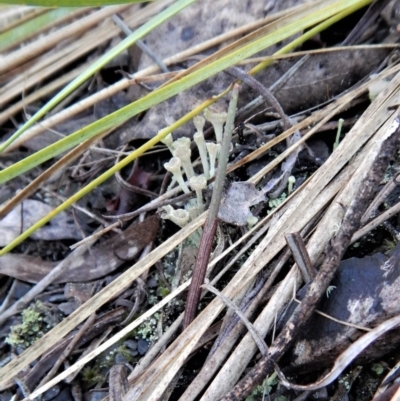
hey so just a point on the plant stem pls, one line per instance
(207, 238)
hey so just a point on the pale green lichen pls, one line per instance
(147, 330)
(163, 291)
(274, 203)
(378, 368)
(37, 320)
(345, 382)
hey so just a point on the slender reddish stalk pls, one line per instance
(207, 238)
(200, 269)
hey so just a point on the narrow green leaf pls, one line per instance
(70, 3)
(102, 61)
(163, 93)
(28, 29)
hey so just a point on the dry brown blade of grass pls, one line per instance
(25, 17)
(55, 169)
(156, 381)
(322, 117)
(245, 350)
(51, 171)
(230, 373)
(125, 83)
(32, 51)
(55, 60)
(74, 368)
(44, 68)
(316, 120)
(121, 283)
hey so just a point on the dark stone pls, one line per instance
(143, 346)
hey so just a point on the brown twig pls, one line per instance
(317, 288)
(210, 226)
(264, 92)
(300, 255)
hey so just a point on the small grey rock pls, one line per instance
(120, 359)
(131, 344)
(95, 395)
(143, 346)
(152, 282)
(51, 393)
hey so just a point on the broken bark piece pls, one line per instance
(97, 262)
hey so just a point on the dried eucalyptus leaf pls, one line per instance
(236, 203)
(28, 213)
(104, 258)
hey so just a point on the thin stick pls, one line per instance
(210, 226)
(265, 93)
(117, 19)
(300, 255)
(262, 346)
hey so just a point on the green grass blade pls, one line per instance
(27, 29)
(108, 174)
(70, 3)
(101, 62)
(156, 139)
(163, 93)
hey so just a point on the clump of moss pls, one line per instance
(37, 320)
(92, 376)
(163, 291)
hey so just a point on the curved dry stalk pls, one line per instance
(347, 356)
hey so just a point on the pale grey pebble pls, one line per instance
(68, 307)
(6, 395)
